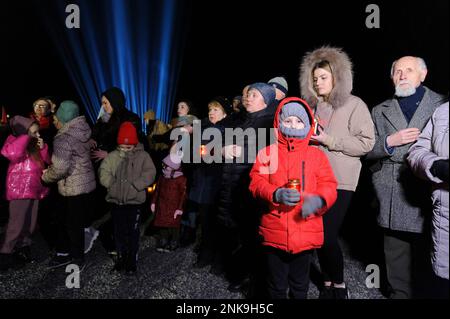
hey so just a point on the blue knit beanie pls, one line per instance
(279, 83)
(67, 111)
(267, 91)
(298, 110)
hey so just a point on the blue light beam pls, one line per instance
(130, 44)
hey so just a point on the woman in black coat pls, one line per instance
(203, 187)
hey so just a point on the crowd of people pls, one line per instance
(273, 203)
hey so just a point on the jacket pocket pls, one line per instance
(132, 194)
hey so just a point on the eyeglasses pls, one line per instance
(42, 106)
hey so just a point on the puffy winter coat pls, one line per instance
(71, 162)
(23, 179)
(431, 146)
(170, 195)
(282, 226)
(127, 176)
(344, 117)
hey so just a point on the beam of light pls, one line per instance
(164, 54)
(130, 44)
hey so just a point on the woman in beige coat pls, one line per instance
(345, 132)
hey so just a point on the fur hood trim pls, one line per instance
(342, 73)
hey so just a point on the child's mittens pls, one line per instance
(311, 204)
(287, 196)
(152, 207)
(177, 213)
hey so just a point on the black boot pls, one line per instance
(187, 236)
(119, 265)
(9, 261)
(130, 266)
(327, 292)
(24, 255)
(6, 261)
(240, 285)
(204, 258)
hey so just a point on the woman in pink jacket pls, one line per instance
(28, 155)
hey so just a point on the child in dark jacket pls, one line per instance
(298, 185)
(126, 173)
(28, 155)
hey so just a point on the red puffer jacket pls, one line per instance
(282, 226)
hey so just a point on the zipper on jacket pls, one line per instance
(303, 177)
(287, 218)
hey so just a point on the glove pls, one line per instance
(311, 204)
(287, 196)
(439, 169)
(177, 213)
(152, 207)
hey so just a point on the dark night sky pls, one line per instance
(229, 44)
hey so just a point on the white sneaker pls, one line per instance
(90, 235)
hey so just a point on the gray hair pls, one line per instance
(420, 61)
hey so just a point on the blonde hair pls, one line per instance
(215, 104)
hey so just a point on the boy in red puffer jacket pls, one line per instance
(291, 226)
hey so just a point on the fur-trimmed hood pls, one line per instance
(342, 73)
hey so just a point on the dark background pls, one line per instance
(229, 44)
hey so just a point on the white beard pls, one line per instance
(404, 92)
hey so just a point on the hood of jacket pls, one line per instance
(78, 128)
(342, 71)
(20, 125)
(291, 141)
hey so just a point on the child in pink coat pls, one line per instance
(28, 155)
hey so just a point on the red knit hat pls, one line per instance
(127, 134)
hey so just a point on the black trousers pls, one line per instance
(408, 265)
(126, 229)
(287, 271)
(49, 211)
(208, 232)
(71, 223)
(330, 255)
(101, 208)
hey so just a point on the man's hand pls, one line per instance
(403, 137)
